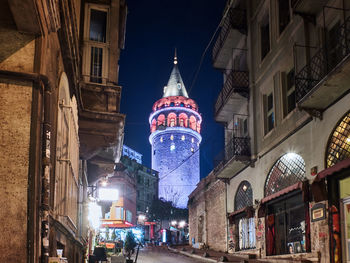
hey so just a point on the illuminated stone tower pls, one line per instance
(175, 138)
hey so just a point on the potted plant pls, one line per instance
(129, 246)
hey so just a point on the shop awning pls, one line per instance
(249, 210)
(284, 191)
(334, 169)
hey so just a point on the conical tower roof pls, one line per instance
(175, 86)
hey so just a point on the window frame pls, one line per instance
(89, 44)
(286, 93)
(260, 25)
(267, 112)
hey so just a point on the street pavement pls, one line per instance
(158, 255)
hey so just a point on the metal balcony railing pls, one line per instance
(323, 61)
(235, 19)
(237, 147)
(237, 81)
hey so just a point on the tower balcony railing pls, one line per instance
(233, 28)
(321, 81)
(236, 151)
(236, 82)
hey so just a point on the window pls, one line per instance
(288, 88)
(119, 213)
(286, 226)
(172, 147)
(269, 112)
(183, 137)
(338, 148)
(246, 233)
(192, 149)
(128, 216)
(96, 46)
(98, 25)
(284, 14)
(172, 137)
(265, 36)
(288, 170)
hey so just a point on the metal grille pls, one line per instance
(288, 170)
(237, 81)
(339, 144)
(324, 60)
(237, 147)
(236, 19)
(244, 196)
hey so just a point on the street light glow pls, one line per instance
(95, 214)
(108, 194)
(173, 223)
(182, 224)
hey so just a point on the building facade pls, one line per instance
(146, 181)
(285, 105)
(60, 107)
(132, 154)
(175, 125)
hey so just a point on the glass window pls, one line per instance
(98, 25)
(128, 216)
(119, 213)
(284, 14)
(96, 65)
(265, 36)
(270, 115)
(339, 145)
(286, 226)
(289, 93)
(246, 233)
(288, 170)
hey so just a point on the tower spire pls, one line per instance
(175, 58)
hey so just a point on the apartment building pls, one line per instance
(59, 107)
(285, 104)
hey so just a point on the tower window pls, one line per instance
(192, 140)
(172, 147)
(172, 137)
(192, 149)
(179, 85)
(154, 152)
(161, 139)
(183, 137)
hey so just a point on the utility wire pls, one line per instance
(207, 47)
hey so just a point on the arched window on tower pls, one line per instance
(199, 127)
(153, 125)
(161, 120)
(171, 119)
(183, 120)
(193, 123)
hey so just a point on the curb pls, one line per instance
(193, 256)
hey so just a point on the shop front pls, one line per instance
(285, 207)
(333, 185)
(242, 221)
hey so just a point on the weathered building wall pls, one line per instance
(216, 215)
(15, 122)
(207, 214)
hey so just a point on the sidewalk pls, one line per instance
(211, 255)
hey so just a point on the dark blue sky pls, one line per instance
(153, 30)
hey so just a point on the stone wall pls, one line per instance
(207, 214)
(15, 121)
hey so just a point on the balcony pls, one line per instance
(233, 158)
(327, 75)
(233, 29)
(307, 6)
(100, 123)
(232, 95)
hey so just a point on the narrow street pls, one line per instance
(161, 255)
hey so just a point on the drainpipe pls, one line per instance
(46, 89)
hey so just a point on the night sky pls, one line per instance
(153, 30)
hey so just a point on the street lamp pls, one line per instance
(182, 224)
